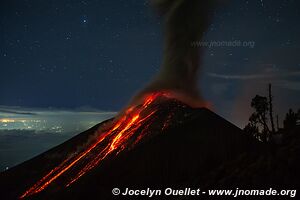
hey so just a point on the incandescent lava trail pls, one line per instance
(123, 134)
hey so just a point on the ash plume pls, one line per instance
(185, 21)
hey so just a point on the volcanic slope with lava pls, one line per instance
(160, 142)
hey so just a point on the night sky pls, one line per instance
(96, 53)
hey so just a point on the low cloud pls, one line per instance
(277, 75)
(287, 84)
(52, 119)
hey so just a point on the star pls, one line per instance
(84, 19)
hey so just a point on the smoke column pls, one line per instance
(185, 21)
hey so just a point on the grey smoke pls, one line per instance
(185, 21)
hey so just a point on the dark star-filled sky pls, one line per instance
(99, 53)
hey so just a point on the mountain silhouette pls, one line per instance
(198, 149)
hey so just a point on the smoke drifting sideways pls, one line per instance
(185, 21)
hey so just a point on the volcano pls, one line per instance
(160, 142)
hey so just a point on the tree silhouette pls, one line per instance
(261, 106)
(258, 121)
(290, 120)
(271, 109)
(251, 128)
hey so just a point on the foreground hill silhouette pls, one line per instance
(198, 149)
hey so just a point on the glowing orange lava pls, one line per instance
(120, 136)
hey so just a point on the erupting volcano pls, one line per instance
(159, 142)
(166, 137)
(164, 103)
(122, 134)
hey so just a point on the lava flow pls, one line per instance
(123, 134)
